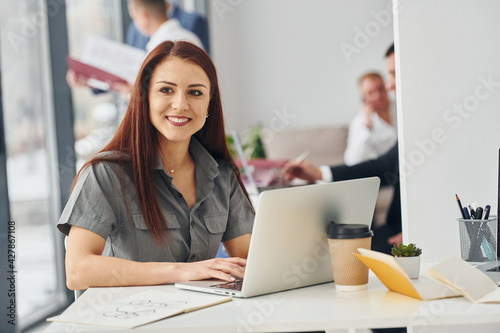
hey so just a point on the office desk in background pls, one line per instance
(317, 307)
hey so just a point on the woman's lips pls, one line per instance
(178, 121)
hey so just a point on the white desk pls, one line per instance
(318, 307)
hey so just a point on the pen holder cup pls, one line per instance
(478, 239)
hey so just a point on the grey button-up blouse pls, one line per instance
(104, 201)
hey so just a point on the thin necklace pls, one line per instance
(172, 170)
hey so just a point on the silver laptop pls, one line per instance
(492, 269)
(289, 247)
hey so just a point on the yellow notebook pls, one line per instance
(394, 278)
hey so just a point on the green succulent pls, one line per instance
(401, 250)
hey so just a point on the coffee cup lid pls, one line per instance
(348, 231)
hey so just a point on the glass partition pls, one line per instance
(33, 164)
(27, 108)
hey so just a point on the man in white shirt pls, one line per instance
(373, 131)
(150, 18)
(386, 167)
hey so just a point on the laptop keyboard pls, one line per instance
(235, 285)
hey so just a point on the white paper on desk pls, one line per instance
(139, 309)
(470, 281)
(114, 57)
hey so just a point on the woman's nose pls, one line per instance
(179, 102)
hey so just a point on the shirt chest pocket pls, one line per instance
(146, 247)
(216, 223)
(172, 222)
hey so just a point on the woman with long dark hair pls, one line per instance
(153, 206)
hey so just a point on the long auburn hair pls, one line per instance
(136, 139)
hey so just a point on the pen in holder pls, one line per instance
(478, 241)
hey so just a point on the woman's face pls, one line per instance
(179, 95)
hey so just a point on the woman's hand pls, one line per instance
(367, 115)
(74, 80)
(303, 170)
(123, 88)
(396, 239)
(218, 268)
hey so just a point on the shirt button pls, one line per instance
(179, 195)
(192, 257)
(192, 224)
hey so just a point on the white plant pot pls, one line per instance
(411, 265)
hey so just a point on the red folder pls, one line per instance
(91, 72)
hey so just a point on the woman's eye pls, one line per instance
(166, 90)
(195, 93)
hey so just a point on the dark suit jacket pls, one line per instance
(386, 167)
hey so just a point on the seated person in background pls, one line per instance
(153, 206)
(373, 131)
(386, 167)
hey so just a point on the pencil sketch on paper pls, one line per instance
(139, 308)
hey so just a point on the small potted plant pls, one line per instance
(408, 257)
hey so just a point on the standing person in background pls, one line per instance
(373, 131)
(191, 21)
(150, 18)
(141, 39)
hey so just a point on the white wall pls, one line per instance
(280, 62)
(448, 49)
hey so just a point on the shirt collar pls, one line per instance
(202, 159)
(167, 28)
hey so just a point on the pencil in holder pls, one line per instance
(478, 239)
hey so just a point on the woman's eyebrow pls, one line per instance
(197, 85)
(167, 82)
(175, 85)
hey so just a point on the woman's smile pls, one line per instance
(178, 120)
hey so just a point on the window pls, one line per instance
(31, 100)
(96, 115)
(30, 166)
